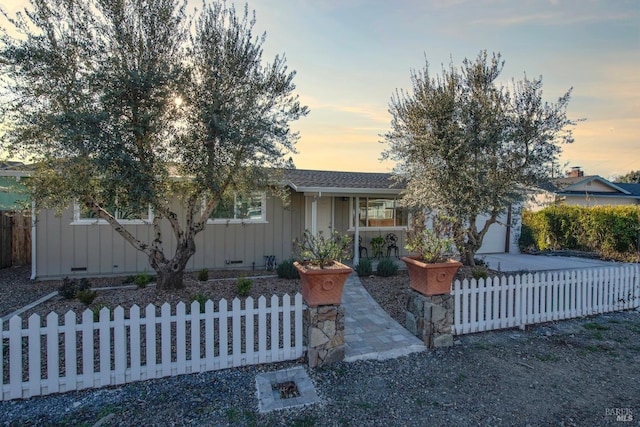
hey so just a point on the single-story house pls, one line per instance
(364, 205)
(576, 189)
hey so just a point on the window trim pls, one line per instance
(77, 220)
(261, 220)
(352, 216)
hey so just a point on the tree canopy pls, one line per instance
(632, 177)
(468, 145)
(114, 100)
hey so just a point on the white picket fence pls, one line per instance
(520, 300)
(42, 359)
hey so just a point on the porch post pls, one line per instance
(314, 215)
(356, 235)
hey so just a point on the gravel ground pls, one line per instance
(573, 373)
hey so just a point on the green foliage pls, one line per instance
(86, 296)
(466, 142)
(91, 91)
(243, 286)
(322, 251)
(363, 268)
(71, 287)
(609, 230)
(142, 279)
(479, 273)
(97, 309)
(632, 177)
(202, 300)
(386, 268)
(433, 244)
(286, 270)
(203, 275)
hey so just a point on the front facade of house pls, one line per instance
(241, 234)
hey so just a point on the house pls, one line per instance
(12, 192)
(591, 190)
(241, 234)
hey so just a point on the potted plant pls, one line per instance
(321, 273)
(376, 246)
(432, 270)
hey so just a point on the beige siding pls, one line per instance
(591, 200)
(100, 251)
(592, 186)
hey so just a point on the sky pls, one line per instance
(351, 55)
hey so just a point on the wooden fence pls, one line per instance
(15, 238)
(56, 356)
(520, 300)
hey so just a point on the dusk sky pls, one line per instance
(351, 55)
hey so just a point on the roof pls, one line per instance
(313, 181)
(571, 187)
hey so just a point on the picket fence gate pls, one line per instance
(525, 299)
(39, 360)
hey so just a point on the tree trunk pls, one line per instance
(467, 256)
(171, 272)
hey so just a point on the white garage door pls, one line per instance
(495, 239)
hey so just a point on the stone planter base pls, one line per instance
(324, 335)
(430, 318)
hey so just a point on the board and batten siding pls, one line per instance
(66, 249)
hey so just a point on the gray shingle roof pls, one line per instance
(314, 180)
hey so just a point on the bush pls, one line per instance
(479, 273)
(243, 286)
(364, 267)
(68, 288)
(387, 267)
(203, 275)
(202, 300)
(286, 270)
(142, 279)
(86, 296)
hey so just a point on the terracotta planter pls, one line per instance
(431, 279)
(323, 286)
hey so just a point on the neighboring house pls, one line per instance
(592, 190)
(12, 192)
(241, 233)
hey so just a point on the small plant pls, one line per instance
(97, 309)
(203, 275)
(376, 246)
(322, 251)
(142, 279)
(432, 245)
(386, 268)
(479, 273)
(286, 270)
(243, 286)
(86, 296)
(201, 299)
(68, 288)
(363, 268)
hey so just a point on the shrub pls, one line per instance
(97, 309)
(286, 270)
(479, 273)
(142, 279)
(86, 296)
(202, 300)
(203, 275)
(364, 267)
(68, 288)
(387, 267)
(243, 286)
(322, 251)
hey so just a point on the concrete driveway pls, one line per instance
(521, 262)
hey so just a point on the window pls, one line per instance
(236, 208)
(381, 212)
(124, 214)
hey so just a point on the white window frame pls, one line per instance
(78, 220)
(261, 220)
(353, 209)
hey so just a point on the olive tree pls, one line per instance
(467, 145)
(131, 105)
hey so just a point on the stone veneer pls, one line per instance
(324, 334)
(430, 318)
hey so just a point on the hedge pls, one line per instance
(609, 230)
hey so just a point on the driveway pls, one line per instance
(522, 262)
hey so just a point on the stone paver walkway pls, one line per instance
(370, 333)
